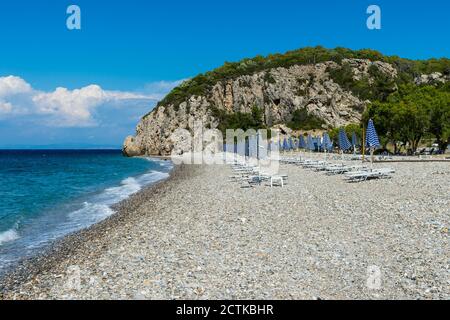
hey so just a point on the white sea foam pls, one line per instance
(91, 213)
(8, 236)
(99, 207)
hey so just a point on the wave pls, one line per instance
(93, 209)
(8, 236)
(99, 207)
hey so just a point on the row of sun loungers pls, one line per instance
(352, 173)
(249, 176)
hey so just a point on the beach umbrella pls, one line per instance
(318, 142)
(344, 143)
(280, 147)
(372, 140)
(371, 136)
(285, 144)
(310, 143)
(291, 144)
(326, 141)
(301, 142)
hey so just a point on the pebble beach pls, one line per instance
(197, 235)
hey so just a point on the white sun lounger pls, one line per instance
(358, 176)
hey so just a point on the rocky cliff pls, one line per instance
(278, 92)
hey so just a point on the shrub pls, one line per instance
(302, 120)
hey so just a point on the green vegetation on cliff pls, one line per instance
(407, 70)
(302, 120)
(239, 120)
(377, 87)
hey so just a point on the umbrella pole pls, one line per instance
(371, 158)
(363, 143)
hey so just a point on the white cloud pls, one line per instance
(12, 85)
(10, 89)
(71, 108)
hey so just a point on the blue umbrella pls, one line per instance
(285, 144)
(344, 143)
(326, 141)
(301, 142)
(371, 136)
(310, 143)
(280, 146)
(291, 144)
(318, 142)
(372, 140)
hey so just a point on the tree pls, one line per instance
(439, 111)
(409, 114)
(411, 121)
(437, 105)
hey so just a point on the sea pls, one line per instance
(47, 194)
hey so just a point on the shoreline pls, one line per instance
(69, 245)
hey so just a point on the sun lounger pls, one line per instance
(358, 176)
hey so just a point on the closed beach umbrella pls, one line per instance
(318, 143)
(344, 143)
(291, 144)
(310, 143)
(280, 147)
(372, 140)
(285, 144)
(301, 142)
(326, 141)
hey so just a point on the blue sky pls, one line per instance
(130, 53)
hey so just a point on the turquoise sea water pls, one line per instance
(45, 195)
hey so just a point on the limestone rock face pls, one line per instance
(279, 92)
(432, 79)
(131, 148)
